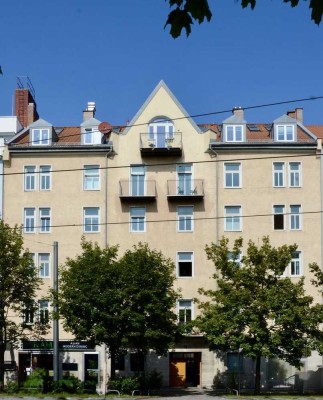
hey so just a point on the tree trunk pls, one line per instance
(113, 364)
(257, 376)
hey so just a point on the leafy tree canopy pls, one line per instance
(185, 12)
(255, 309)
(19, 282)
(124, 303)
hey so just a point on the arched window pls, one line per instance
(161, 131)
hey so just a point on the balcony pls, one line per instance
(189, 190)
(160, 144)
(135, 191)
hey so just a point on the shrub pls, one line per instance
(125, 385)
(69, 384)
(12, 387)
(35, 381)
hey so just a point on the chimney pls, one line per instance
(25, 107)
(238, 112)
(296, 114)
(89, 112)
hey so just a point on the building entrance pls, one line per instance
(184, 369)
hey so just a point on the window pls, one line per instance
(235, 258)
(137, 219)
(137, 181)
(279, 174)
(44, 177)
(279, 218)
(184, 264)
(44, 265)
(232, 175)
(184, 179)
(40, 137)
(185, 311)
(88, 136)
(28, 313)
(91, 219)
(30, 177)
(234, 133)
(43, 306)
(295, 217)
(234, 362)
(295, 264)
(91, 177)
(285, 133)
(185, 218)
(294, 174)
(160, 132)
(29, 220)
(137, 362)
(232, 218)
(44, 220)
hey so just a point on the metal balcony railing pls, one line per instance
(161, 144)
(189, 189)
(137, 190)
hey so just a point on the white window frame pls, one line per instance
(295, 218)
(135, 185)
(43, 306)
(44, 220)
(159, 139)
(28, 314)
(91, 220)
(295, 175)
(185, 304)
(231, 133)
(88, 136)
(231, 175)
(91, 177)
(275, 207)
(30, 178)
(236, 261)
(40, 137)
(45, 173)
(278, 174)
(190, 259)
(230, 217)
(29, 220)
(185, 215)
(136, 220)
(282, 134)
(296, 258)
(185, 179)
(44, 267)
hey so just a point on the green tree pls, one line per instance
(255, 309)
(149, 299)
(19, 282)
(185, 12)
(122, 304)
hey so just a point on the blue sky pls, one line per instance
(114, 52)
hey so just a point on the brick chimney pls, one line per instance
(296, 114)
(239, 112)
(89, 112)
(25, 107)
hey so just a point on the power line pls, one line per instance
(311, 98)
(166, 164)
(170, 220)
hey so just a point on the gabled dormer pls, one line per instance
(90, 133)
(41, 133)
(285, 129)
(234, 127)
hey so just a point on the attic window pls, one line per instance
(40, 137)
(285, 133)
(234, 133)
(253, 128)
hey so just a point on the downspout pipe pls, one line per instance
(216, 194)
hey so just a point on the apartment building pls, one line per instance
(176, 185)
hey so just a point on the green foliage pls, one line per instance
(184, 12)
(19, 283)
(124, 304)
(35, 381)
(69, 384)
(125, 385)
(12, 387)
(152, 380)
(256, 309)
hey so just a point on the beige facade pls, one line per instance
(178, 186)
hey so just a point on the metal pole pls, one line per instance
(55, 320)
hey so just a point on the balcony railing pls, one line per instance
(161, 144)
(129, 190)
(192, 189)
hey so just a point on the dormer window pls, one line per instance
(161, 132)
(91, 136)
(234, 133)
(40, 137)
(285, 133)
